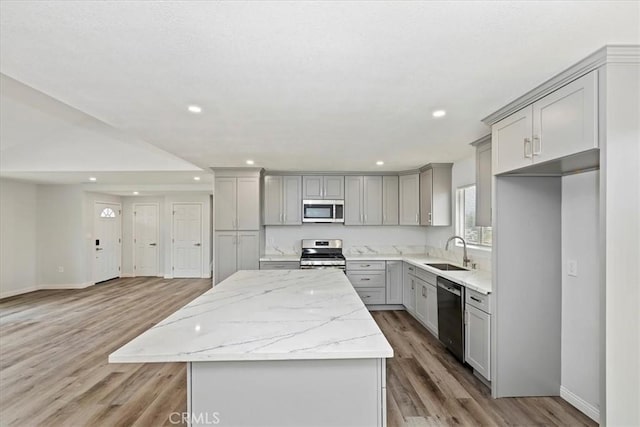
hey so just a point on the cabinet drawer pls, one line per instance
(478, 300)
(410, 269)
(366, 265)
(426, 276)
(372, 295)
(281, 265)
(367, 279)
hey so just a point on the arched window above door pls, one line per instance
(107, 213)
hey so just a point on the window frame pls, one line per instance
(459, 227)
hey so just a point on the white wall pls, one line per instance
(581, 294)
(287, 238)
(61, 240)
(463, 173)
(18, 245)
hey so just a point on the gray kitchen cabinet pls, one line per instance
(394, 282)
(237, 203)
(409, 204)
(367, 279)
(371, 296)
(363, 200)
(560, 124)
(483, 181)
(279, 265)
(426, 296)
(318, 187)
(478, 340)
(236, 250)
(421, 301)
(432, 309)
(435, 195)
(409, 288)
(282, 200)
(226, 207)
(390, 197)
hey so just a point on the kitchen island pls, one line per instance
(274, 348)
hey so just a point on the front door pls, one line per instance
(145, 239)
(107, 241)
(187, 240)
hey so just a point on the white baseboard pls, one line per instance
(168, 276)
(66, 286)
(582, 405)
(125, 275)
(18, 292)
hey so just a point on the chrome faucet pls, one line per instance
(465, 259)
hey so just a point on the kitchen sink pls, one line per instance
(446, 267)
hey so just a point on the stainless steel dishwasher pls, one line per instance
(451, 316)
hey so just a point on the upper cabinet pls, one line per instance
(409, 204)
(560, 124)
(483, 181)
(390, 200)
(282, 200)
(237, 203)
(363, 200)
(435, 195)
(323, 187)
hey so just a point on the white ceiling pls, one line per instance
(302, 85)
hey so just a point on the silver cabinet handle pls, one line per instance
(152, 244)
(196, 244)
(413, 285)
(429, 219)
(284, 217)
(98, 249)
(476, 299)
(423, 289)
(417, 217)
(364, 279)
(365, 265)
(538, 142)
(527, 142)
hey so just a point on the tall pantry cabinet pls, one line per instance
(237, 221)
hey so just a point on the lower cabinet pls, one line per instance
(279, 265)
(477, 332)
(236, 250)
(409, 288)
(427, 305)
(372, 295)
(394, 282)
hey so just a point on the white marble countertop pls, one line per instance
(265, 315)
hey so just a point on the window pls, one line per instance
(107, 213)
(466, 218)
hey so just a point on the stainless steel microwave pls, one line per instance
(323, 211)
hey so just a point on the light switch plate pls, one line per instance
(572, 268)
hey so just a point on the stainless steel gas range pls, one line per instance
(322, 254)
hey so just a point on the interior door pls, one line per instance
(107, 241)
(187, 240)
(145, 240)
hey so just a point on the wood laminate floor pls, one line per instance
(54, 371)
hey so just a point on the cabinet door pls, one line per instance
(565, 122)
(226, 203)
(432, 309)
(478, 341)
(394, 282)
(248, 250)
(353, 212)
(333, 187)
(273, 200)
(426, 197)
(409, 200)
(483, 185)
(292, 204)
(511, 139)
(312, 187)
(248, 203)
(390, 200)
(409, 293)
(226, 254)
(421, 301)
(372, 200)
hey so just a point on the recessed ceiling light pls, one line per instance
(93, 178)
(195, 109)
(439, 113)
(196, 178)
(379, 163)
(135, 193)
(250, 162)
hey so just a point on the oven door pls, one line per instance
(322, 211)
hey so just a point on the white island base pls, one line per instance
(282, 393)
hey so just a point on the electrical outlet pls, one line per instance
(572, 268)
(60, 269)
